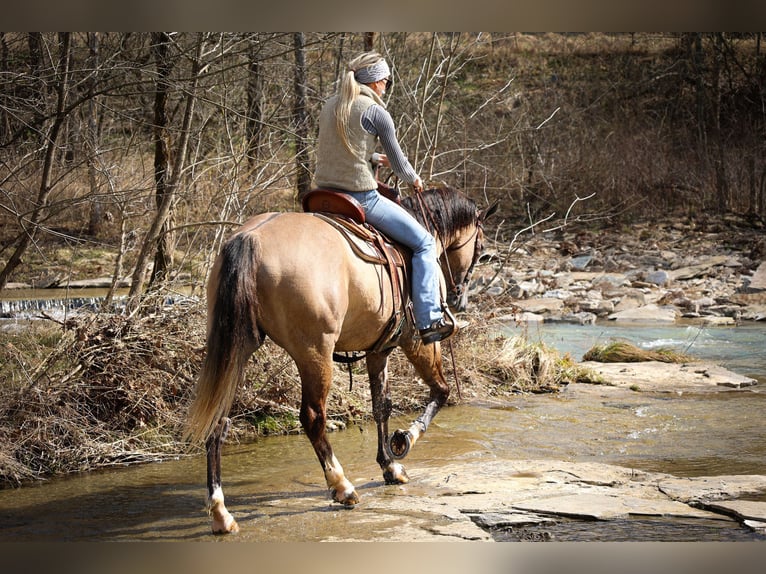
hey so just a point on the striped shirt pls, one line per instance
(377, 121)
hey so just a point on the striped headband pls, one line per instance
(374, 73)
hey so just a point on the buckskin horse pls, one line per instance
(293, 277)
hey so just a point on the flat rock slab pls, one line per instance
(651, 313)
(462, 501)
(710, 488)
(609, 506)
(670, 377)
(743, 509)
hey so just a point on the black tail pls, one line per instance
(233, 335)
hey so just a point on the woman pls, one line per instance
(350, 125)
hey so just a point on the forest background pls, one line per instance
(134, 155)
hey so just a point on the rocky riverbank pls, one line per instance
(713, 273)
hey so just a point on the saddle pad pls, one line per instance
(364, 241)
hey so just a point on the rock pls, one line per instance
(656, 376)
(527, 317)
(709, 488)
(580, 262)
(755, 313)
(600, 308)
(713, 321)
(541, 305)
(751, 513)
(608, 506)
(649, 313)
(502, 494)
(581, 318)
(699, 270)
(758, 280)
(632, 299)
(658, 278)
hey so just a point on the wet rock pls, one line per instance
(705, 489)
(750, 513)
(503, 494)
(656, 376)
(649, 313)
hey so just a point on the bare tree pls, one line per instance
(165, 207)
(40, 209)
(163, 257)
(300, 116)
(96, 219)
(254, 125)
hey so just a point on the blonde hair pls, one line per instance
(348, 90)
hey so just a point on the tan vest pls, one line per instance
(335, 165)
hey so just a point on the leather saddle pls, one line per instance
(346, 215)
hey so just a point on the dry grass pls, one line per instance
(623, 352)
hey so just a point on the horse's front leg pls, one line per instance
(393, 472)
(427, 361)
(223, 521)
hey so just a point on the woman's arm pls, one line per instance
(376, 120)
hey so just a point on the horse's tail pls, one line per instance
(233, 335)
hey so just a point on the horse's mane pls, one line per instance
(446, 209)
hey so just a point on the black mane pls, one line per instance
(447, 211)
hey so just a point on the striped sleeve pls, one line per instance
(377, 121)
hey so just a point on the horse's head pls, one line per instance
(458, 225)
(460, 257)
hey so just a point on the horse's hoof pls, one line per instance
(396, 475)
(348, 499)
(399, 443)
(226, 526)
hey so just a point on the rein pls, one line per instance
(428, 216)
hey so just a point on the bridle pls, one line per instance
(477, 249)
(428, 217)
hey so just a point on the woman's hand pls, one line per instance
(381, 159)
(417, 185)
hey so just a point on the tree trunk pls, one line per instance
(254, 126)
(369, 41)
(300, 116)
(163, 257)
(165, 207)
(96, 219)
(41, 204)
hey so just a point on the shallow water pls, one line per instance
(276, 490)
(741, 348)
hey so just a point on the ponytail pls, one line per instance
(348, 90)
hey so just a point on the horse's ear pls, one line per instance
(483, 215)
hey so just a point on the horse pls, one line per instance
(293, 277)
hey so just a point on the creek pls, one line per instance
(275, 488)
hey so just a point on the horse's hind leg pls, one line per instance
(316, 377)
(393, 472)
(223, 521)
(427, 361)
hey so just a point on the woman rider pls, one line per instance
(350, 125)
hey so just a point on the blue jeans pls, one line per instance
(398, 224)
